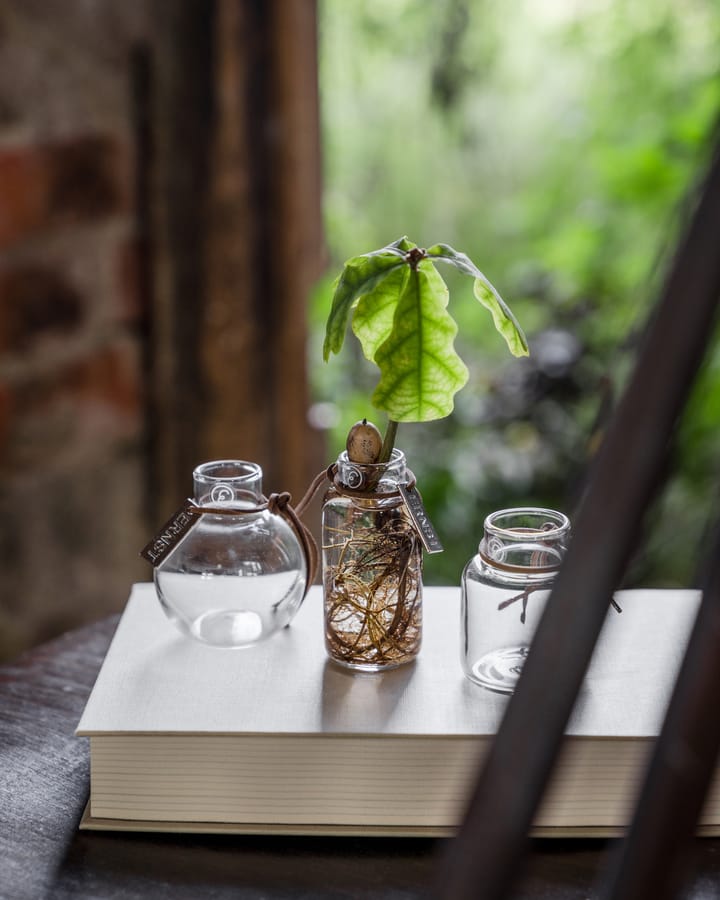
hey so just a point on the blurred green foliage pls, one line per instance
(558, 143)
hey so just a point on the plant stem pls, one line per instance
(388, 441)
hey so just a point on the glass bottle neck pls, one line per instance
(525, 543)
(228, 481)
(378, 477)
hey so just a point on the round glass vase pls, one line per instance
(239, 574)
(504, 590)
(372, 568)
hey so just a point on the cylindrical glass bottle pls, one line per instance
(240, 573)
(504, 590)
(372, 568)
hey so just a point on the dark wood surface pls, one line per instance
(44, 776)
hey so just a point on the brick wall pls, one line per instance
(189, 129)
(71, 321)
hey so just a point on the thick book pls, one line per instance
(276, 738)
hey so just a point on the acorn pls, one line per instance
(364, 443)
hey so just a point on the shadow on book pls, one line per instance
(377, 694)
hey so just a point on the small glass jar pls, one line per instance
(372, 567)
(504, 590)
(239, 575)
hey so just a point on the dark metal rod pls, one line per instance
(654, 858)
(484, 857)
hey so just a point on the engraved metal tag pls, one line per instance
(170, 535)
(414, 505)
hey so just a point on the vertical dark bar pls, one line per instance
(183, 123)
(653, 859)
(141, 95)
(484, 857)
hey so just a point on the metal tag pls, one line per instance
(170, 535)
(414, 506)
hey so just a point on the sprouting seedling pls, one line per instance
(398, 302)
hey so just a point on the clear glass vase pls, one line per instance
(504, 590)
(239, 575)
(372, 568)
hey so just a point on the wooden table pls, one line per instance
(44, 774)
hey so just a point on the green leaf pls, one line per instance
(504, 320)
(361, 275)
(461, 261)
(420, 372)
(373, 318)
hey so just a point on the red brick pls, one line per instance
(23, 189)
(87, 179)
(36, 301)
(89, 403)
(83, 180)
(109, 378)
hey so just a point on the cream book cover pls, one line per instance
(275, 737)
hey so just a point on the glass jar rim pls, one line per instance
(242, 471)
(396, 457)
(559, 521)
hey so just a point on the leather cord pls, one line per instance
(280, 504)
